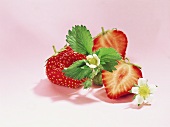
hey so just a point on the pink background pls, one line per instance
(29, 28)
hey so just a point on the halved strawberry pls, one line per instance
(121, 81)
(111, 38)
(58, 62)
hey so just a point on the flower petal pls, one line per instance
(139, 99)
(152, 88)
(94, 55)
(87, 64)
(149, 99)
(135, 90)
(98, 62)
(97, 58)
(89, 57)
(142, 81)
(92, 66)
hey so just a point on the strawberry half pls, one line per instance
(58, 62)
(111, 38)
(121, 81)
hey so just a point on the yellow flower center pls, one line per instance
(144, 91)
(92, 61)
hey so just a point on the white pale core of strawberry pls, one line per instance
(144, 92)
(93, 61)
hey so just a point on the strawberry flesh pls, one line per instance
(111, 38)
(120, 81)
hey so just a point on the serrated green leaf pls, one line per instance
(78, 70)
(108, 54)
(80, 39)
(110, 66)
(108, 58)
(87, 84)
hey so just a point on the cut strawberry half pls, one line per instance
(111, 38)
(121, 81)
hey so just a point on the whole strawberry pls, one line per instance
(58, 62)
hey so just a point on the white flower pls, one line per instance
(93, 61)
(143, 91)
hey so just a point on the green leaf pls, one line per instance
(80, 39)
(110, 66)
(108, 54)
(78, 70)
(87, 84)
(108, 58)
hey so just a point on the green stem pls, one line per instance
(103, 32)
(55, 51)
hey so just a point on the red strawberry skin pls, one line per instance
(119, 82)
(111, 38)
(56, 64)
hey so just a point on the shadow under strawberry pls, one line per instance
(59, 93)
(101, 95)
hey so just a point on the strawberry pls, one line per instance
(111, 38)
(121, 81)
(58, 62)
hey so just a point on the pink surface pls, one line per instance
(28, 29)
